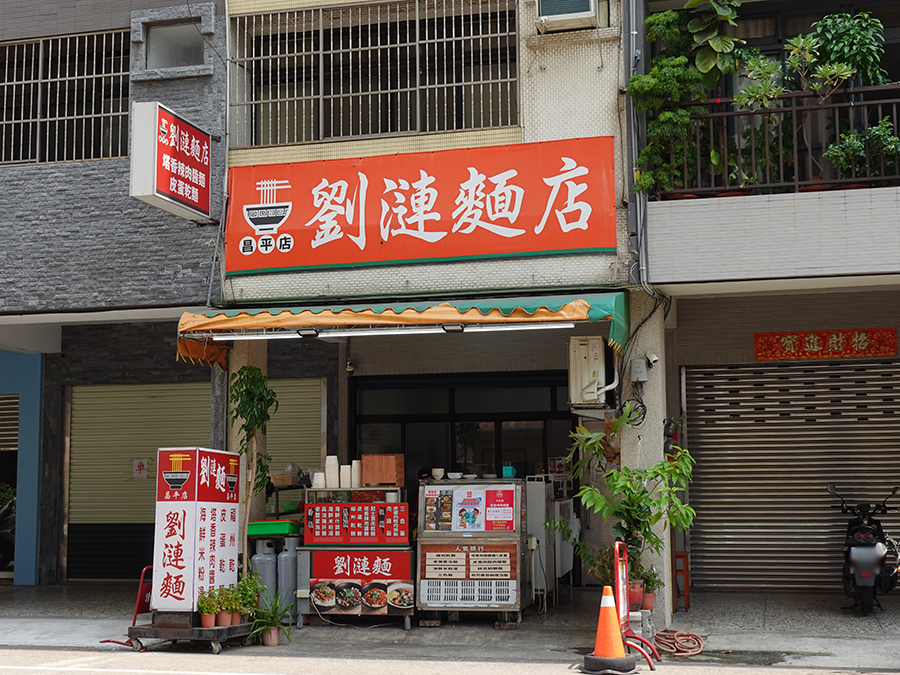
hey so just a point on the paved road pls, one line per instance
(280, 661)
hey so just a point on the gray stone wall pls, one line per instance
(23, 20)
(87, 243)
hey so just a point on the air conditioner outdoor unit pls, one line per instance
(587, 372)
(556, 15)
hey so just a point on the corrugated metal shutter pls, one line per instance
(112, 425)
(767, 440)
(9, 423)
(295, 431)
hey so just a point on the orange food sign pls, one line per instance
(513, 200)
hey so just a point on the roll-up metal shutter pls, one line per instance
(767, 439)
(9, 423)
(295, 433)
(112, 425)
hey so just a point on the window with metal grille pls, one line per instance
(392, 68)
(65, 98)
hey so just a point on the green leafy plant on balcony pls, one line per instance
(864, 153)
(672, 79)
(714, 50)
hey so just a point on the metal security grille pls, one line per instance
(65, 98)
(767, 439)
(9, 423)
(389, 68)
(464, 593)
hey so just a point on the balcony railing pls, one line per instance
(799, 144)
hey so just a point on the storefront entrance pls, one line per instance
(467, 423)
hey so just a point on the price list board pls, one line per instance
(468, 561)
(355, 523)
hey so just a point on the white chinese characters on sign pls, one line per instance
(362, 565)
(489, 203)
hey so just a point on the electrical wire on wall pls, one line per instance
(639, 408)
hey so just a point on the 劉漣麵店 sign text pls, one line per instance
(512, 200)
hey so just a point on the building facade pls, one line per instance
(780, 335)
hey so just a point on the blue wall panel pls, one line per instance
(22, 374)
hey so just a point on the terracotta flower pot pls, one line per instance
(223, 618)
(635, 594)
(236, 618)
(207, 620)
(649, 600)
(271, 636)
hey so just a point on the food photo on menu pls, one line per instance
(360, 596)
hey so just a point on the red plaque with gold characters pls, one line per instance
(825, 344)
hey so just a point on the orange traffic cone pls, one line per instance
(609, 652)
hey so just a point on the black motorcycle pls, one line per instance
(7, 533)
(867, 572)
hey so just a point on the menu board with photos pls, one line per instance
(455, 508)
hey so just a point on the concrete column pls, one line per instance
(643, 446)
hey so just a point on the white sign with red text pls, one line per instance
(170, 166)
(196, 531)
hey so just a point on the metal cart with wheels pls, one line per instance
(178, 626)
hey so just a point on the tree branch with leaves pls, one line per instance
(252, 404)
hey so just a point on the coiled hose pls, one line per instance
(678, 643)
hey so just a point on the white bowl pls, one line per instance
(454, 475)
(490, 475)
(470, 476)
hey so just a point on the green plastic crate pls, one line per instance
(273, 528)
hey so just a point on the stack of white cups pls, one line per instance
(332, 472)
(346, 482)
(356, 473)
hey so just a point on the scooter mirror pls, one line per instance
(831, 489)
(896, 491)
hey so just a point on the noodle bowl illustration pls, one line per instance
(270, 214)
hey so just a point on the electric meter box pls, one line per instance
(587, 371)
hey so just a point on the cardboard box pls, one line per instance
(384, 470)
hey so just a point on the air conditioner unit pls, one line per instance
(556, 15)
(587, 372)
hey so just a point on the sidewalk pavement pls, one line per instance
(757, 629)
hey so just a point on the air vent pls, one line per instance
(466, 593)
(559, 15)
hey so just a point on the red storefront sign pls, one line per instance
(356, 523)
(825, 344)
(362, 582)
(513, 200)
(195, 541)
(367, 565)
(170, 166)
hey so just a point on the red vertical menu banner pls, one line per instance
(196, 527)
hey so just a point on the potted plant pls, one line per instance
(865, 153)
(249, 589)
(652, 583)
(228, 604)
(672, 80)
(208, 606)
(638, 499)
(270, 620)
(252, 404)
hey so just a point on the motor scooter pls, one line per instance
(867, 572)
(7, 533)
